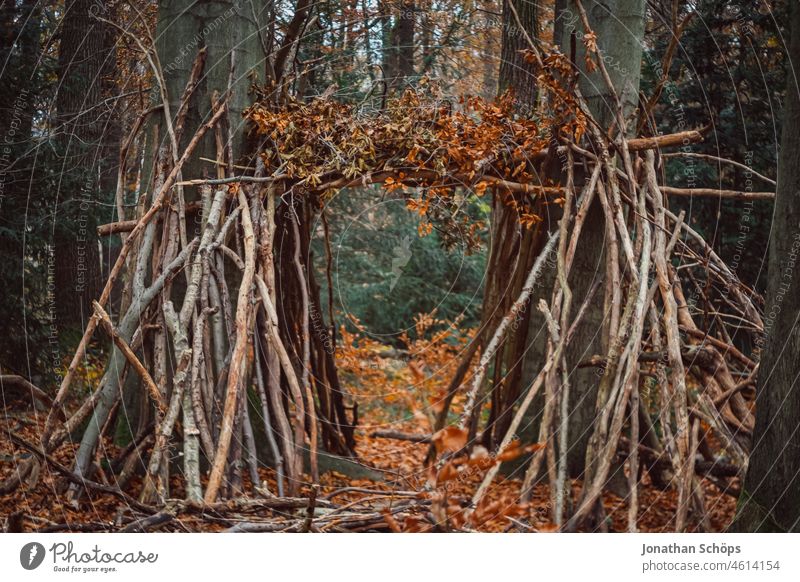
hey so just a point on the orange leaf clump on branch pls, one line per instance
(420, 140)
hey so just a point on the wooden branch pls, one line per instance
(116, 227)
(291, 434)
(259, 527)
(126, 350)
(134, 311)
(312, 504)
(293, 30)
(306, 340)
(714, 193)
(123, 226)
(720, 161)
(235, 180)
(724, 347)
(149, 522)
(747, 382)
(159, 200)
(152, 483)
(242, 337)
(664, 141)
(499, 334)
(20, 384)
(123, 161)
(412, 176)
(401, 436)
(76, 479)
(283, 357)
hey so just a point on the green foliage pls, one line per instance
(384, 273)
(729, 72)
(25, 92)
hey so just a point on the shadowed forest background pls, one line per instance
(399, 265)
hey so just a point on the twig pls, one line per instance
(78, 480)
(401, 436)
(312, 504)
(126, 350)
(21, 384)
(499, 334)
(149, 522)
(234, 376)
(721, 161)
(714, 193)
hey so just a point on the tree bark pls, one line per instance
(21, 30)
(230, 34)
(400, 53)
(405, 40)
(770, 499)
(516, 73)
(81, 128)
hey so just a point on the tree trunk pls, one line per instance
(514, 248)
(21, 29)
(230, 35)
(229, 32)
(770, 499)
(516, 73)
(401, 51)
(619, 38)
(405, 40)
(81, 127)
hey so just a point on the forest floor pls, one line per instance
(379, 384)
(42, 506)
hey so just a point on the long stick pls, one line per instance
(283, 355)
(499, 334)
(306, 339)
(130, 356)
(234, 375)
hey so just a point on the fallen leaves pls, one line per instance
(514, 450)
(450, 439)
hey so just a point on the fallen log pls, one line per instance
(401, 436)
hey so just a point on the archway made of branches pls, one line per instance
(226, 329)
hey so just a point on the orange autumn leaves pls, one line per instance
(451, 441)
(420, 140)
(458, 467)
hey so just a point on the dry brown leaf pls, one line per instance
(447, 473)
(450, 439)
(391, 521)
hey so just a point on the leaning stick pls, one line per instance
(720, 161)
(283, 355)
(158, 202)
(310, 408)
(126, 350)
(234, 375)
(480, 373)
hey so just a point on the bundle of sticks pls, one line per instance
(196, 347)
(651, 330)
